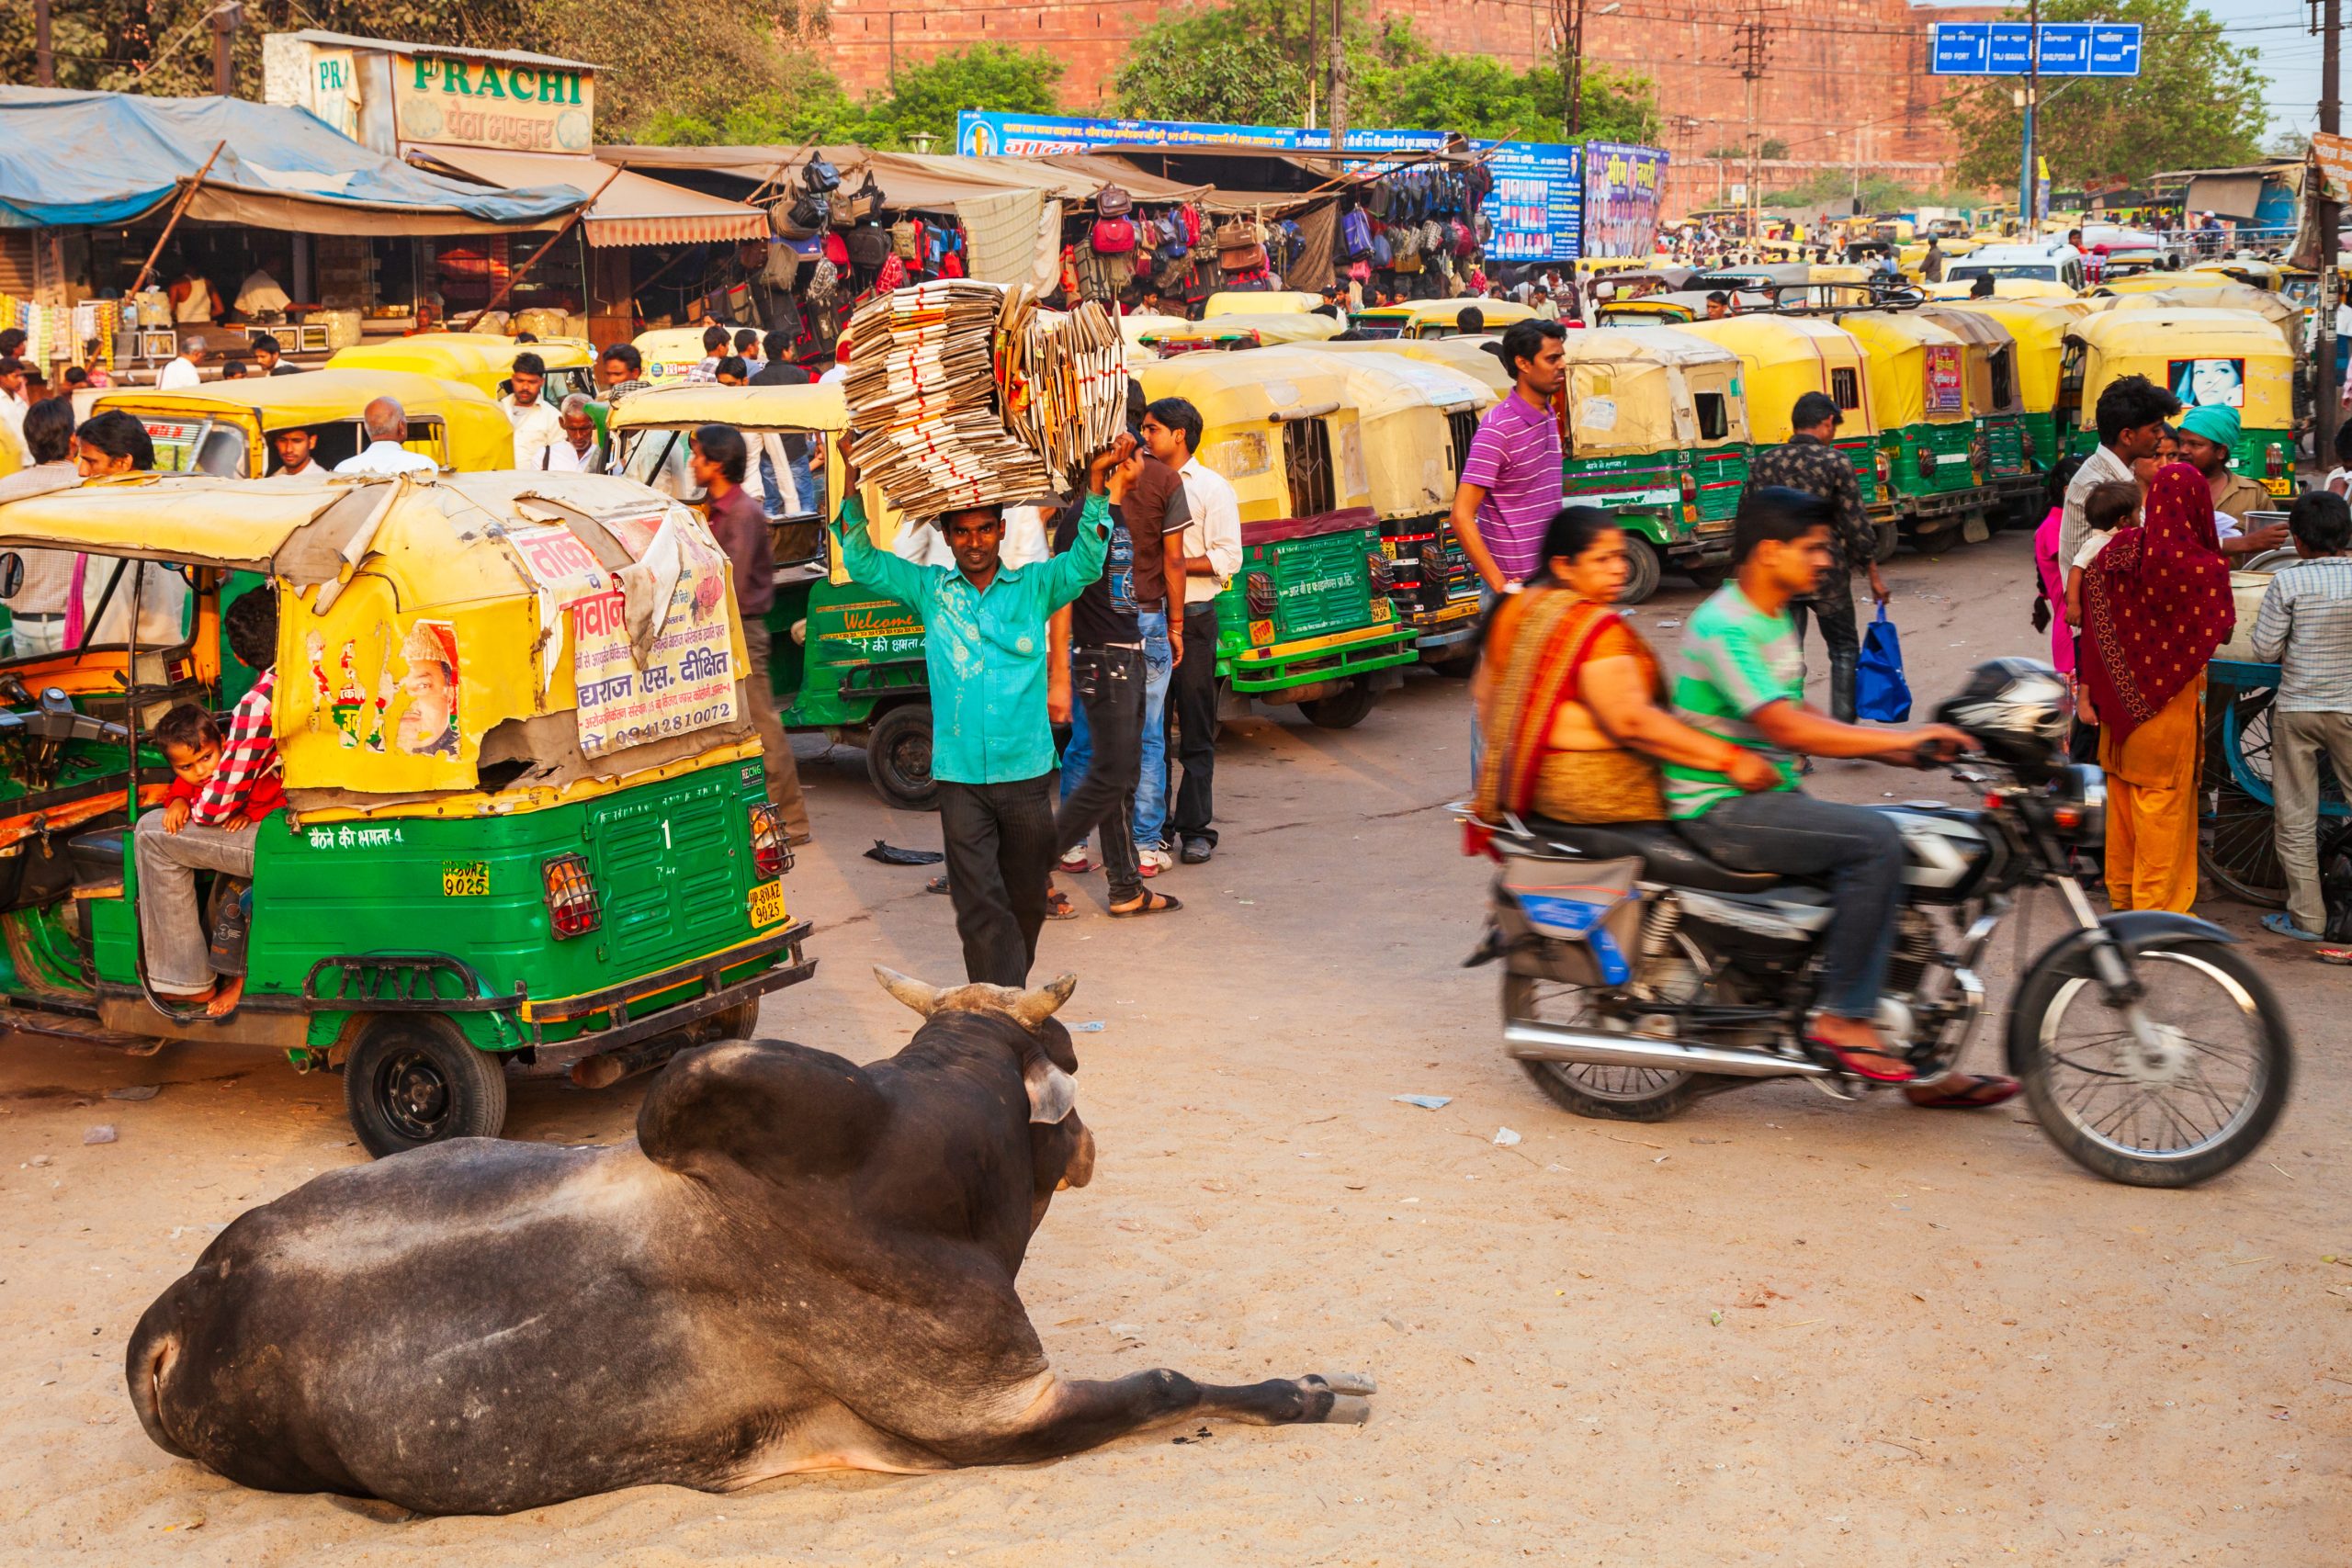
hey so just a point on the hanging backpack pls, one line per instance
(951, 265)
(1191, 215)
(824, 279)
(818, 178)
(836, 249)
(892, 275)
(868, 247)
(1112, 201)
(810, 213)
(1383, 254)
(1355, 233)
(906, 240)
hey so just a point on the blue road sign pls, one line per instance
(2005, 49)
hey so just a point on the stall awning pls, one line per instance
(928, 181)
(629, 208)
(71, 158)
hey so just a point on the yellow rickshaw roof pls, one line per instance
(1259, 302)
(1380, 384)
(809, 407)
(1770, 339)
(2039, 324)
(439, 528)
(315, 397)
(463, 355)
(1305, 327)
(1649, 345)
(2181, 333)
(1498, 313)
(1468, 355)
(2276, 310)
(1237, 388)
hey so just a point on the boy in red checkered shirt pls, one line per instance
(223, 785)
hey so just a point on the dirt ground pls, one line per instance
(1776, 1330)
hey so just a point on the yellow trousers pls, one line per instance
(2152, 806)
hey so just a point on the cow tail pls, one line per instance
(155, 1346)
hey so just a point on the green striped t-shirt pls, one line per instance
(1736, 660)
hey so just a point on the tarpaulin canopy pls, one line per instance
(69, 158)
(926, 181)
(627, 208)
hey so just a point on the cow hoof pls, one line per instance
(1350, 1382)
(1349, 1410)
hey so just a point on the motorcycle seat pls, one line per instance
(1666, 855)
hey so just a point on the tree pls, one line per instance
(2196, 103)
(1773, 147)
(808, 104)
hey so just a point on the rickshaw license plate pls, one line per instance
(465, 879)
(767, 904)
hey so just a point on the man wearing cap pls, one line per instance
(2209, 433)
(1809, 463)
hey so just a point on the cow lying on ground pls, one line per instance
(799, 1264)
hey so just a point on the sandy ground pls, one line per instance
(1775, 1330)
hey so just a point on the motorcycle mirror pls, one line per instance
(12, 573)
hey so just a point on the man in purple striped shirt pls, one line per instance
(1510, 476)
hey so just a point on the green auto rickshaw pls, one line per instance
(527, 830)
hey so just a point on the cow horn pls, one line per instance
(907, 988)
(1032, 1007)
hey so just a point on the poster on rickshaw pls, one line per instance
(687, 679)
(1946, 388)
(2208, 383)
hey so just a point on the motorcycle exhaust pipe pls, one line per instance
(1550, 1043)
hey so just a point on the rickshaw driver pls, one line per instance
(294, 446)
(220, 830)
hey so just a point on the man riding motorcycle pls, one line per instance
(1741, 677)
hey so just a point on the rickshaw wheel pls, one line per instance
(414, 1079)
(1890, 539)
(1341, 710)
(898, 757)
(1643, 571)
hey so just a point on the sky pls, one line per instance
(2276, 31)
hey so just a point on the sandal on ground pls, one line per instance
(1975, 1092)
(1153, 904)
(2333, 955)
(1859, 1059)
(1058, 907)
(2283, 924)
(936, 884)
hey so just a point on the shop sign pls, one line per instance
(457, 101)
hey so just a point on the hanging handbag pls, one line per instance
(863, 202)
(818, 178)
(1112, 236)
(1881, 693)
(1112, 201)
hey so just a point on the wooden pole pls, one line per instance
(515, 275)
(173, 222)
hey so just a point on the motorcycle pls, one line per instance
(1638, 975)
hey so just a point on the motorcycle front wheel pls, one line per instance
(2202, 1100)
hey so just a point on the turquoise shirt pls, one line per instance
(985, 647)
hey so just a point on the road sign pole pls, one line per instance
(2025, 182)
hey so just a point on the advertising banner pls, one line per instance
(1620, 195)
(1537, 208)
(1945, 388)
(689, 680)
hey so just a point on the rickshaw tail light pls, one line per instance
(771, 856)
(2027, 444)
(572, 907)
(1927, 463)
(1384, 578)
(2274, 461)
(1258, 588)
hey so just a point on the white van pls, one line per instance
(2045, 263)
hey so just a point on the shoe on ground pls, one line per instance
(1075, 862)
(2283, 924)
(1159, 857)
(1197, 852)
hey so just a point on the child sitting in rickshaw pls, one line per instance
(224, 784)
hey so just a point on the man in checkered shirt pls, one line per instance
(219, 834)
(1809, 463)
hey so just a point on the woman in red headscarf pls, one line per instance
(2156, 604)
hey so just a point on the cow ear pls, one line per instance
(1035, 1006)
(923, 998)
(1053, 1093)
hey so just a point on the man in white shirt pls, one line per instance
(578, 452)
(38, 607)
(387, 426)
(1171, 427)
(260, 295)
(295, 463)
(13, 406)
(537, 426)
(2130, 417)
(183, 373)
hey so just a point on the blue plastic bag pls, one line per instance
(1881, 693)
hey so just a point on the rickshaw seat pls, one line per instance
(97, 857)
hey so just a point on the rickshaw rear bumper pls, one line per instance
(627, 1028)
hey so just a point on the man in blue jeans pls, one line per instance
(1741, 679)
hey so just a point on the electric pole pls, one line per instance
(1335, 94)
(1567, 21)
(2327, 373)
(2027, 184)
(1754, 39)
(44, 57)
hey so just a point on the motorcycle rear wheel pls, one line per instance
(2225, 1030)
(1606, 1093)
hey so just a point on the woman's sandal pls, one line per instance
(1153, 904)
(1853, 1059)
(1058, 907)
(1976, 1092)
